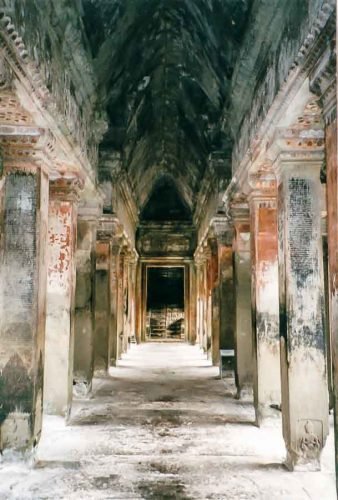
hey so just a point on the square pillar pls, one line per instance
(265, 302)
(107, 291)
(23, 272)
(193, 314)
(85, 300)
(102, 306)
(225, 236)
(114, 290)
(242, 273)
(303, 350)
(59, 343)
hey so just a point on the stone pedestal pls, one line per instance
(243, 331)
(59, 344)
(265, 305)
(303, 356)
(23, 271)
(85, 302)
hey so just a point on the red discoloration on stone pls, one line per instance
(60, 240)
(332, 202)
(267, 243)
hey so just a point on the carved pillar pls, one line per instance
(192, 334)
(102, 298)
(206, 304)
(114, 286)
(242, 273)
(126, 300)
(107, 229)
(138, 304)
(265, 304)
(199, 300)
(299, 159)
(85, 299)
(323, 82)
(214, 287)
(23, 272)
(121, 300)
(59, 342)
(132, 301)
(226, 284)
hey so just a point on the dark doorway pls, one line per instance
(165, 303)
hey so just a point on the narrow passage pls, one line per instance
(163, 426)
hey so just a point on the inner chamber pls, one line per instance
(165, 303)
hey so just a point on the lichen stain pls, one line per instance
(16, 388)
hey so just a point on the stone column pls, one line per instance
(132, 309)
(121, 301)
(192, 334)
(114, 287)
(214, 285)
(242, 273)
(59, 343)
(103, 300)
(199, 306)
(323, 82)
(227, 292)
(299, 158)
(107, 253)
(85, 299)
(23, 272)
(138, 305)
(265, 304)
(126, 301)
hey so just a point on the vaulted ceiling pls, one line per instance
(164, 69)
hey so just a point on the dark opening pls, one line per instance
(165, 204)
(165, 302)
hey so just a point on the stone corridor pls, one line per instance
(162, 426)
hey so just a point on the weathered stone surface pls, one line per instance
(265, 304)
(84, 304)
(243, 332)
(303, 358)
(59, 344)
(22, 327)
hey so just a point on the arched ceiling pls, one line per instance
(164, 69)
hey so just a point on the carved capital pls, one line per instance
(64, 189)
(222, 230)
(240, 214)
(108, 228)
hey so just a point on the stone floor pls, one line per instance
(162, 426)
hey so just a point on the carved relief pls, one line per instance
(310, 444)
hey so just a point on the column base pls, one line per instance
(244, 391)
(267, 413)
(82, 388)
(16, 432)
(296, 462)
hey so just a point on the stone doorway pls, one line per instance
(165, 304)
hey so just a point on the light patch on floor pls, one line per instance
(163, 426)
